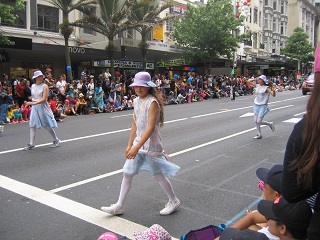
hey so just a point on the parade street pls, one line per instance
(56, 193)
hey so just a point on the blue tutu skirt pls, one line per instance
(260, 110)
(42, 116)
(154, 164)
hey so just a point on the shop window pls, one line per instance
(48, 18)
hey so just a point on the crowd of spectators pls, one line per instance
(106, 93)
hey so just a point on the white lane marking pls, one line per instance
(170, 155)
(89, 214)
(70, 140)
(211, 142)
(85, 137)
(292, 120)
(85, 181)
(177, 120)
(122, 115)
(84, 212)
(285, 100)
(224, 111)
(236, 109)
(273, 109)
(250, 114)
(298, 114)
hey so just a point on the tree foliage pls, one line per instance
(67, 6)
(298, 47)
(145, 14)
(206, 33)
(111, 20)
(8, 15)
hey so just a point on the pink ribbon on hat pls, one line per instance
(317, 59)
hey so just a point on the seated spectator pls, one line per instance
(56, 108)
(180, 98)
(270, 185)
(288, 221)
(92, 106)
(25, 110)
(170, 98)
(117, 104)
(73, 104)
(126, 103)
(71, 91)
(10, 116)
(17, 113)
(109, 107)
(67, 109)
(82, 104)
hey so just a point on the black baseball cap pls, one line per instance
(295, 216)
(246, 234)
(271, 176)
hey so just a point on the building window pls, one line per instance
(89, 31)
(169, 25)
(282, 7)
(282, 28)
(275, 25)
(255, 40)
(265, 22)
(21, 16)
(275, 5)
(266, 2)
(255, 15)
(48, 18)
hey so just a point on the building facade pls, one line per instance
(36, 42)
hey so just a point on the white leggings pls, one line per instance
(258, 121)
(160, 178)
(33, 134)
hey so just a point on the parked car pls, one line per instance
(307, 85)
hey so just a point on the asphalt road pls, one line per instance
(57, 193)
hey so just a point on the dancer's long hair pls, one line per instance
(152, 91)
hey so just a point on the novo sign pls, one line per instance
(77, 50)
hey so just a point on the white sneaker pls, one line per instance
(170, 207)
(1, 128)
(55, 143)
(257, 137)
(114, 209)
(28, 147)
(272, 126)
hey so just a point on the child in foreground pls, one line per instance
(144, 150)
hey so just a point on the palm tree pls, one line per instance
(67, 6)
(146, 13)
(112, 20)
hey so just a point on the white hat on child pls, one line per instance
(38, 73)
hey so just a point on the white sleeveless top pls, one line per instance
(153, 145)
(37, 92)
(262, 96)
